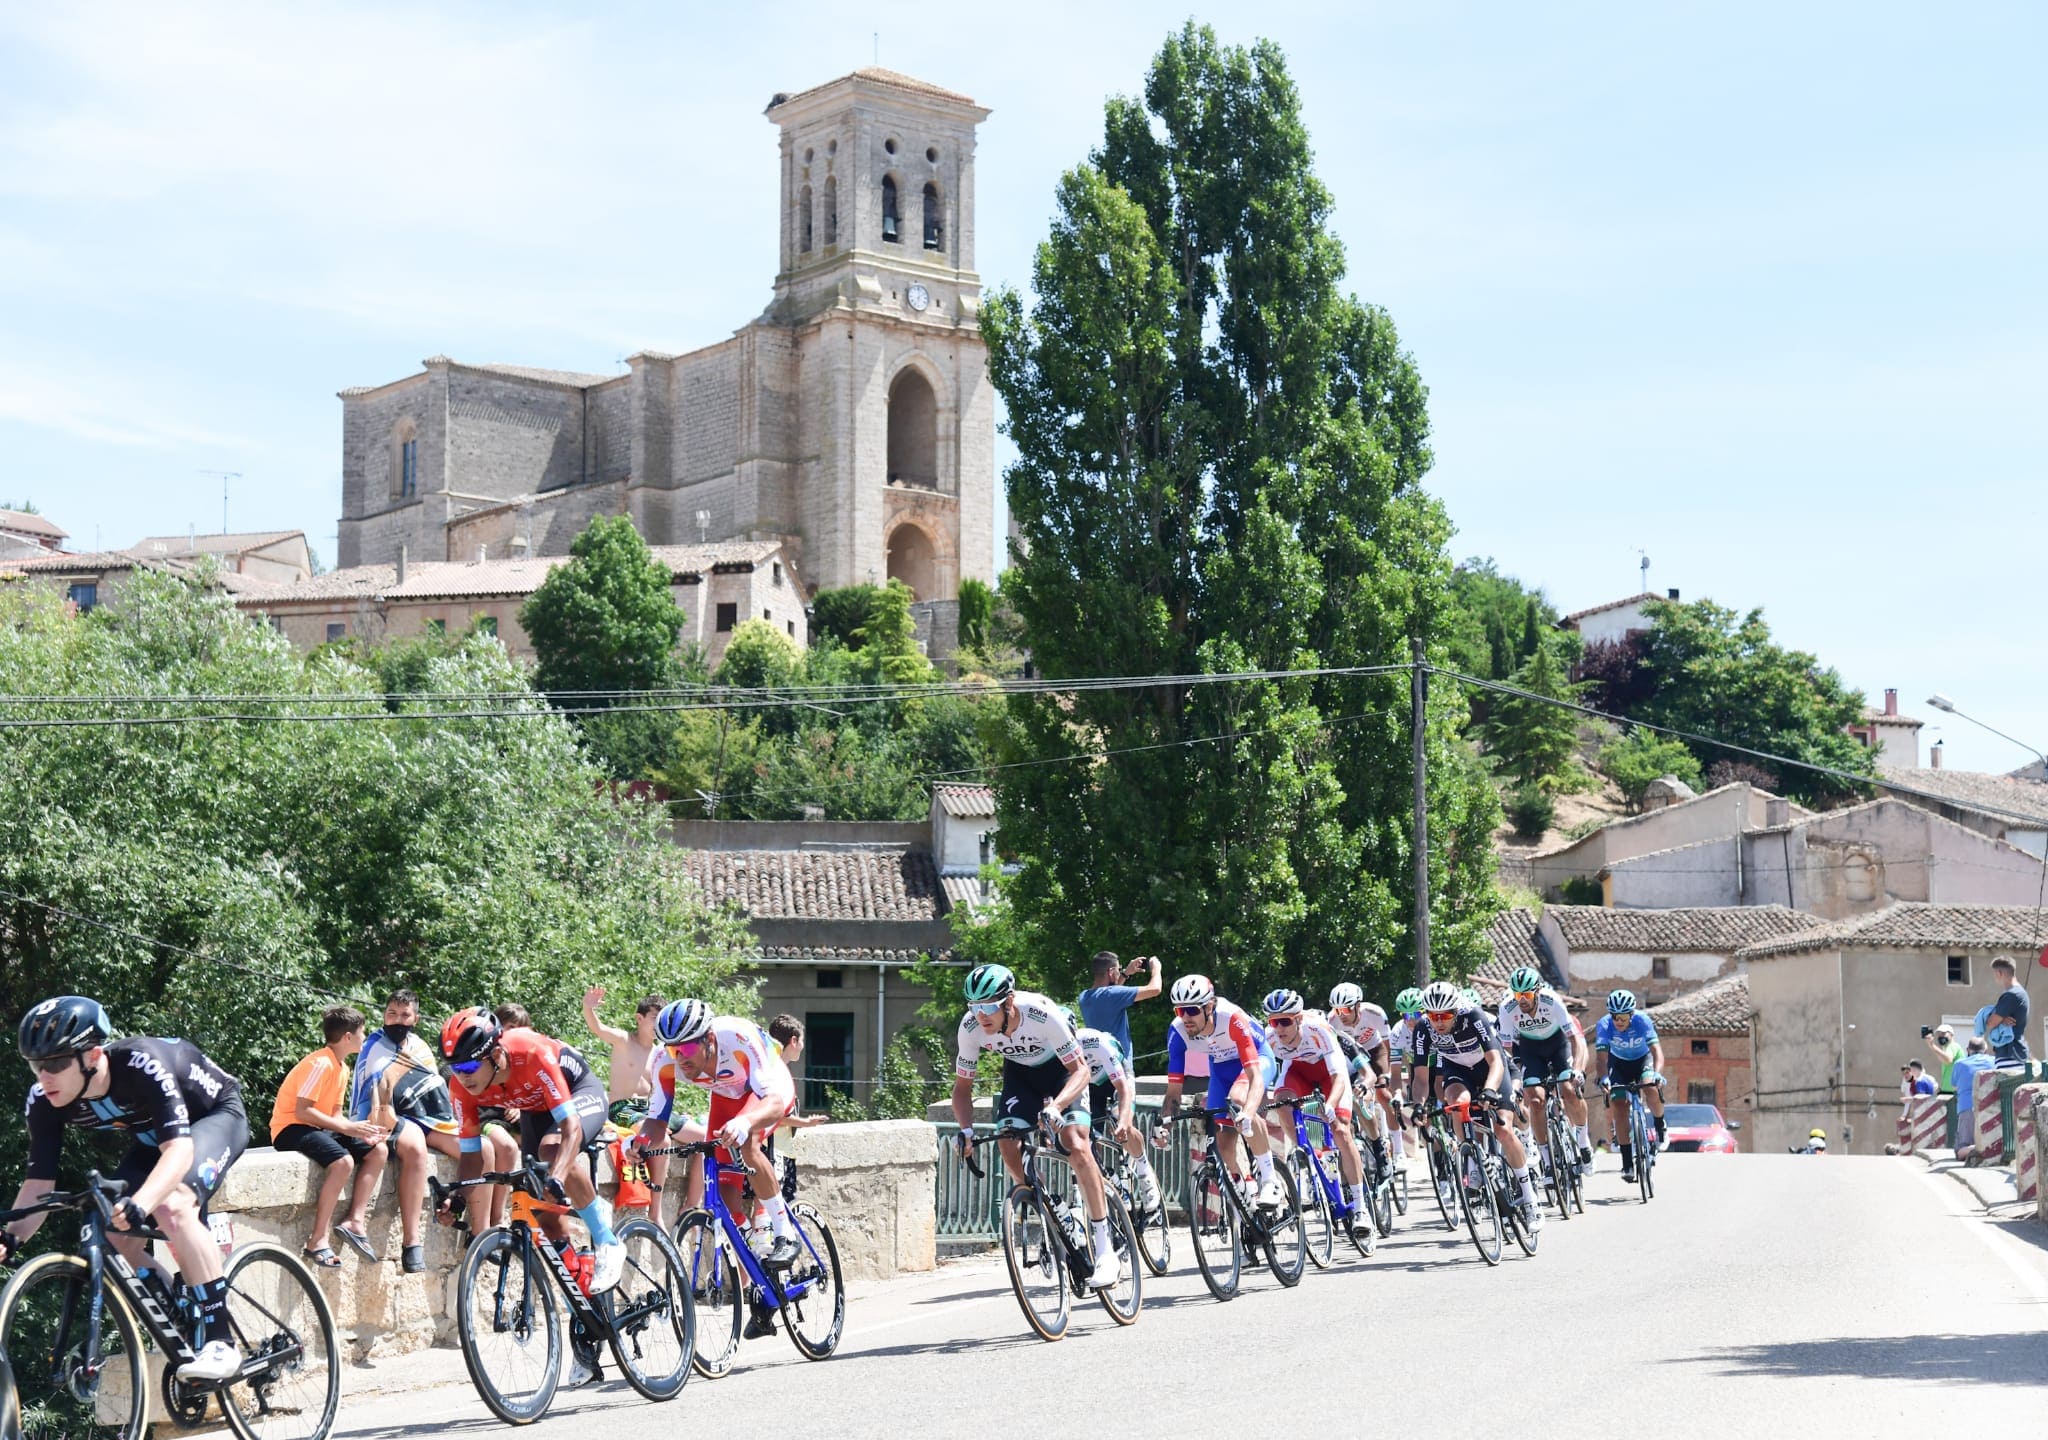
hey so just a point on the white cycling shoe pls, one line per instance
(1107, 1272)
(1148, 1192)
(607, 1264)
(1271, 1196)
(216, 1360)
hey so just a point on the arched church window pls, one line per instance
(405, 460)
(913, 561)
(913, 432)
(804, 200)
(934, 236)
(831, 210)
(889, 220)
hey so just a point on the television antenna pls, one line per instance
(225, 476)
(1643, 586)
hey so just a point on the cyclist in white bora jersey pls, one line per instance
(1112, 1097)
(1551, 1048)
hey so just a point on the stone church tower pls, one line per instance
(853, 419)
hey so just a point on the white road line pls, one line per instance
(2025, 1264)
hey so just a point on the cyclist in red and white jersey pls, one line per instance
(1312, 1062)
(1367, 1027)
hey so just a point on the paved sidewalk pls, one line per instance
(1992, 1185)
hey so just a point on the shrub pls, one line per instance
(1531, 811)
(1643, 756)
(1583, 890)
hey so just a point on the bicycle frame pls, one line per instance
(772, 1291)
(1080, 1260)
(1334, 1192)
(527, 1204)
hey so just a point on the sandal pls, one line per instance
(358, 1243)
(322, 1256)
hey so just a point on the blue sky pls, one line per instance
(1756, 288)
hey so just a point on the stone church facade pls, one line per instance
(853, 420)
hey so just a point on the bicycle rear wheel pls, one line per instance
(1482, 1213)
(1446, 1193)
(1518, 1226)
(1122, 1299)
(1379, 1191)
(279, 1316)
(714, 1281)
(1286, 1239)
(653, 1323)
(1213, 1224)
(42, 1332)
(1035, 1252)
(1319, 1224)
(815, 1318)
(1646, 1153)
(509, 1320)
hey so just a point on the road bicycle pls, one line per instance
(1564, 1178)
(515, 1287)
(1148, 1222)
(1324, 1208)
(1642, 1134)
(1046, 1244)
(1386, 1187)
(729, 1282)
(74, 1327)
(1440, 1144)
(1225, 1221)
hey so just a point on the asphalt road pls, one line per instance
(1823, 1296)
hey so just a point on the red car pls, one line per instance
(1701, 1128)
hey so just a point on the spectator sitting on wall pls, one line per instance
(1943, 1043)
(309, 1119)
(1914, 1079)
(1975, 1061)
(2004, 1021)
(1105, 1005)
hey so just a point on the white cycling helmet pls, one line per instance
(1193, 990)
(1441, 995)
(1346, 996)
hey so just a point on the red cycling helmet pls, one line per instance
(470, 1034)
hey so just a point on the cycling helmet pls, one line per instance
(1283, 1002)
(1073, 1019)
(1440, 996)
(1816, 1134)
(470, 1034)
(1620, 1002)
(1409, 1001)
(987, 983)
(1345, 996)
(681, 1021)
(63, 1025)
(1193, 990)
(1524, 980)
(1469, 996)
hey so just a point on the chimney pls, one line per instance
(401, 565)
(518, 547)
(1672, 593)
(1891, 702)
(481, 551)
(1777, 812)
(1934, 754)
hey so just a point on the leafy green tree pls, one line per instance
(1533, 739)
(977, 611)
(1219, 469)
(1531, 811)
(845, 771)
(246, 869)
(1483, 614)
(1643, 756)
(714, 753)
(1706, 670)
(841, 613)
(1532, 631)
(888, 638)
(605, 620)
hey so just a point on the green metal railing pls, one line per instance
(969, 1206)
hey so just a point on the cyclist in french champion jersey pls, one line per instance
(1045, 1079)
(1112, 1096)
(184, 1119)
(1551, 1049)
(1309, 1054)
(1630, 1054)
(1240, 1072)
(1469, 1061)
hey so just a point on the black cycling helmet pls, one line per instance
(63, 1025)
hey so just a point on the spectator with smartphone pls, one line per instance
(1106, 1004)
(1942, 1041)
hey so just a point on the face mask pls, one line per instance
(398, 1034)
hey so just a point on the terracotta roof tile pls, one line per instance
(1912, 925)
(1577, 615)
(966, 802)
(852, 955)
(2003, 796)
(1720, 1008)
(1513, 936)
(152, 547)
(24, 522)
(453, 579)
(1719, 930)
(820, 884)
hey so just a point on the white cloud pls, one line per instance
(104, 407)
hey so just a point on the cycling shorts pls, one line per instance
(725, 1107)
(1472, 1077)
(1027, 1088)
(218, 1141)
(1101, 1104)
(1631, 1072)
(1223, 1074)
(587, 1102)
(1305, 1077)
(1541, 1059)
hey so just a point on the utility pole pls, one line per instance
(1418, 675)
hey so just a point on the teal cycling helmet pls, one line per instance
(1409, 1001)
(1470, 997)
(1620, 1002)
(1525, 980)
(988, 983)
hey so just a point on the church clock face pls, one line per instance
(919, 297)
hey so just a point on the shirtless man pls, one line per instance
(630, 1052)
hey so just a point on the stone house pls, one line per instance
(852, 421)
(1894, 739)
(25, 535)
(1728, 811)
(716, 586)
(274, 557)
(1615, 620)
(2012, 808)
(1838, 1010)
(1707, 1050)
(88, 579)
(1659, 954)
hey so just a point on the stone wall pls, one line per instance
(872, 1182)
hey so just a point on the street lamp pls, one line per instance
(1948, 706)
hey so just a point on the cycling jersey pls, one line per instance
(1040, 1033)
(1369, 1029)
(748, 1063)
(1235, 1038)
(1548, 1018)
(1465, 1044)
(540, 1073)
(156, 1090)
(1315, 1040)
(1401, 1039)
(418, 1093)
(1105, 1061)
(1630, 1044)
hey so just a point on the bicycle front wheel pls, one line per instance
(1319, 1226)
(653, 1324)
(714, 1281)
(1482, 1213)
(509, 1320)
(280, 1318)
(1646, 1151)
(42, 1333)
(1036, 1253)
(1446, 1189)
(1122, 1299)
(1213, 1224)
(814, 1318)
(1286, 1242)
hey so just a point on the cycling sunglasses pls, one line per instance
(52, 1064)
(685, 1049)
(987, 1007)
(1525, 994)
(1442, 1014)
(1285, 1022)
(465, 1067)
(1190, 1009)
